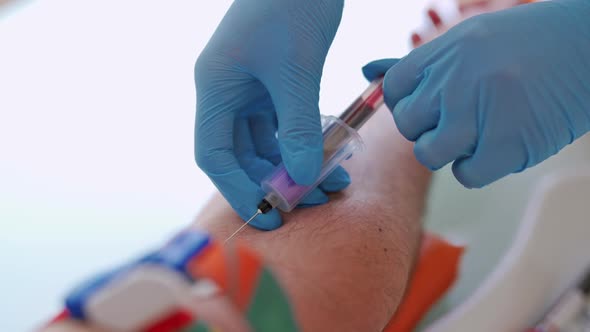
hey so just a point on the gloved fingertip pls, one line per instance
(304, 167)
(267, 222)
(423, 158)
(377, 68)
(400, 117)
(315, 197)
(427, 153)
(399, 82)
(467, 175)
(338, 180)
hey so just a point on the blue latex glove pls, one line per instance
(259, 74)
(496, 94)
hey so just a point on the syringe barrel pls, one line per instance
(340, 141)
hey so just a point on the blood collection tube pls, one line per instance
(341, 140)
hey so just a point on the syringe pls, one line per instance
(340, 141)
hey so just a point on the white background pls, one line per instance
(97, 111)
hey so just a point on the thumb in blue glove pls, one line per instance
(260, 75)
(498, 93)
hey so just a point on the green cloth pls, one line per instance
(197, 327)
(269, 310)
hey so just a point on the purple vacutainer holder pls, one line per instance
(340, 141)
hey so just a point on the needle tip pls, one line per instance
(244, 225)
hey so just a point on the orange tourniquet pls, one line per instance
(434, 274)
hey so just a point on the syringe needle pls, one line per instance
(244, 225)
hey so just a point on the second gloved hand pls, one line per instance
(258, 76)
(496, 94)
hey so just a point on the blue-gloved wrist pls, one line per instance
(498, 93)
(580, 10)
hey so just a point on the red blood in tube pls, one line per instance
(434, 17)
(375, 97)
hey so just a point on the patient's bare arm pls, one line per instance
(344, 265)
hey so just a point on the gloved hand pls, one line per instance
(496, 94)
(260, 73)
